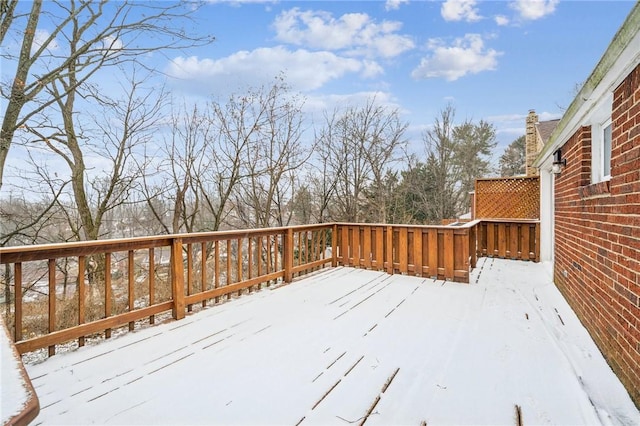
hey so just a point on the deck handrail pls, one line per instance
(119, 282)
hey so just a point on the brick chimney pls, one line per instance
(531, 143)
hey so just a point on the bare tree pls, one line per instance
(440, 152)
(100, 34)
(175, 184)
(237, 124)
(115, 144)
(274, 153)
(326, 170)
(358, 148)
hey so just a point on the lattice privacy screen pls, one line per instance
(511, 197)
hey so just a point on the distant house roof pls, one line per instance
(545, 128)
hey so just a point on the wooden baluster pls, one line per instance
(389, 250)
(131, 282)
(518, 228)
(81, 296)
(107, 291)
(269, 265)
(216, 266)
(17, 319)
(52, 302)
(366, 247)
(417, 251)
(403, 249)
(379, 248)
(462, 247)
(537, 241)
(346, 248)
(239, 264)
(277, 258)
(203, 270)
(433, 253)
(250, 260)
(259, 257)
(355, 245)
(189, 274)
(334, 246)
(492, 250)
(314, 246)
(229, 278)
(152, 281)
(449, 251)
(288, 255)
(502, 240)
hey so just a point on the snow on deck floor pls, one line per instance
(326, 348)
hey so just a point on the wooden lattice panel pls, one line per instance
(511, 197)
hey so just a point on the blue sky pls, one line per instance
(492, 60)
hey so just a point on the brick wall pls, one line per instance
(597, 231)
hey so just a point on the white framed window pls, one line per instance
(601, 129)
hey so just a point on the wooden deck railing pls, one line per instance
(509, 239)
(67, 292)
(442, 252)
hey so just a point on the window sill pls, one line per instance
(595, 190)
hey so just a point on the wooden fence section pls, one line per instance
(442, 252)
(516, 239)
(509, 197)
(67, 292)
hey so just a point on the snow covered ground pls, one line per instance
(346, 346)
(14, 394)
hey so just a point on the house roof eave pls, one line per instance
(619, 52)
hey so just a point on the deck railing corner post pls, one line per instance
(177, 278)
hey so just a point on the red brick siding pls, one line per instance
(597, 237)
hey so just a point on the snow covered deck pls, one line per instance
(347, 346)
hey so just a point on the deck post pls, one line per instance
(288, 255)
(177, 278)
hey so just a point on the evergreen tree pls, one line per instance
(512, 161)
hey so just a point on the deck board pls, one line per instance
(321, 350)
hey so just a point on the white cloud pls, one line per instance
(466, 55)
(112, 43)
(240, 2)
(534, 9)
(543, 116)
(40, 38)
(318, 105)
(460, 10)
(501, 20)
(353, 33)
(394, 4)
(304, 70)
